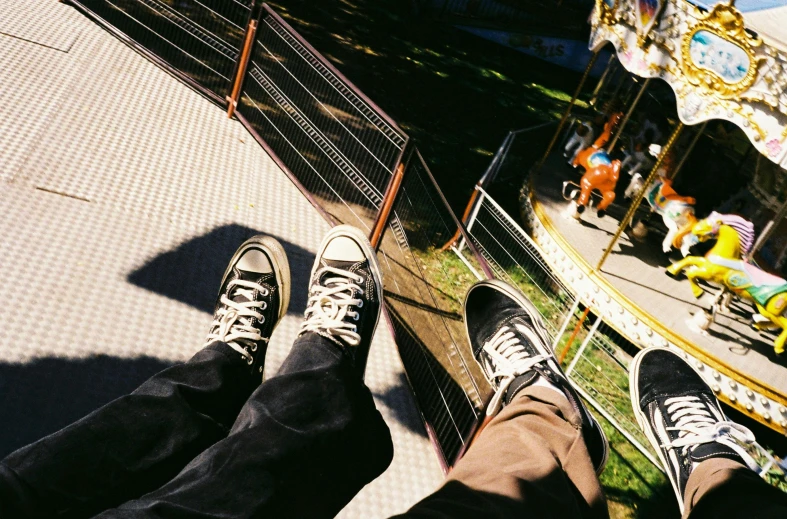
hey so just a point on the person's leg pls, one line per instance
(140, 441)
(309, 438)
(539, 457)
(711, 473)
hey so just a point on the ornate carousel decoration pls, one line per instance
(717, 67)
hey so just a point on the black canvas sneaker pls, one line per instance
(512, 346)
(254, 296)
(344, 293)
(682, 418)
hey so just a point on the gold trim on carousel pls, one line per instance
(725, 22)
(607, 15)
(679, 341)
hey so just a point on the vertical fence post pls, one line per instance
(491, 172)
(243, 63)
(391, 193)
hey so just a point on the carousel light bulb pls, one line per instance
(767, 417)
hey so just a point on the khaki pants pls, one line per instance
(531, 461)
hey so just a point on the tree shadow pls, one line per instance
(43, 396)
(191, 272)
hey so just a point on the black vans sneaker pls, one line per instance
(254, 296)
(344, 293)
(512, 346)
(681, 417)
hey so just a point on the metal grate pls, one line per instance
(424, 291)
(337, 144)
(198, 39)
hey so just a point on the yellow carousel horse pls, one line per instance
(723, 265)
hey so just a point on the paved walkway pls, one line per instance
(123, 194)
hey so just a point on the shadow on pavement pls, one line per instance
(43, 396)
(191, 273)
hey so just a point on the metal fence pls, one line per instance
(200, 40)
(337, 144)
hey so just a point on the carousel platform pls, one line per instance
(647, 306)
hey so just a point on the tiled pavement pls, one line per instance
(122, 195)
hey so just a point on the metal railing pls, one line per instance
(199, 40)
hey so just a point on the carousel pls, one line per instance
(663, 203)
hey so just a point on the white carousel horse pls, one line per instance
(582, 138)
(676, 211)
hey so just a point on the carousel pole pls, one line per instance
(694, 141)
(602, 81)
(568, 111)
(635, 204)
(626, 118)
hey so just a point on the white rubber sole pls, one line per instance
(642, 420)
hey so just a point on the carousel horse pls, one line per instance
(582, 138)
(594, 155)
(723, 265)
(676, 211)
(603, 178)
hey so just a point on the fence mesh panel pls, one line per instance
(200, 39)
(424, 291)
(338, 145)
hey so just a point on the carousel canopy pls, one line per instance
(723, 61)
(768, 18)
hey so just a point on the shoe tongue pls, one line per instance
(509, 316)
(339, 264)
(237, 295)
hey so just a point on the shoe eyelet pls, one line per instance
(250, 360)
(355, 329)
(356, 317)
(360, 279)
(360, 304)
(253, 347)
(264, 305)
(260, 369)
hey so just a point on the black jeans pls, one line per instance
(201, 439)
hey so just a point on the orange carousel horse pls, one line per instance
(594, 155)
(602, 178)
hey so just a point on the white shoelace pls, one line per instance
(234, 320)
(329, 305)
(696, 425)
(510, 359)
